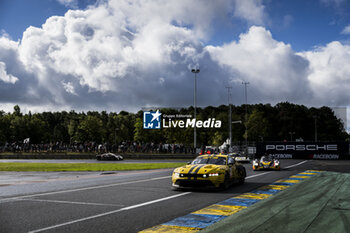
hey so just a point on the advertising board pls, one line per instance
(304, 150)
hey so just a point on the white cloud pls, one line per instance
(287, 20)
(329, 75)
(336, 3)
(137, 14)
(4, 76)
(251, 10)
(68, 86)
(346, 30)
(69, 3)
(123, 55)
(4, 34)
(266, 63)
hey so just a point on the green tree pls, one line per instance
(17, 111)
(18, 128)
(217, 139)
(257, 126)
(265, 121)
(90, 129)
(36, 129)
(140, 135)
(72, 129)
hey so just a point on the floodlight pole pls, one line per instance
(229, 114)
(235, 122)
(315, 117)
(195, 71)
(291, 136)
(246, 116)
(115, 137)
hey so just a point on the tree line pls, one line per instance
(282, 122)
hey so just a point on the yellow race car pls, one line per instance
(209, 171)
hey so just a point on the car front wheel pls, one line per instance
(242, 174)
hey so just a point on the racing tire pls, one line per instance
(175, 188)
(226, 183)
(242, 175)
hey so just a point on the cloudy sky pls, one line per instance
(118, 55)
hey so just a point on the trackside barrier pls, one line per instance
(207, 216)
(304, 150)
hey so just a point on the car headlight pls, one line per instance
(176, 175)
(214, 174)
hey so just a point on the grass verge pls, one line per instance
(56, 167)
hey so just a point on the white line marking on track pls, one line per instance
(122, 209)
(111, 185)
(248, 177)
(110, 212)
(294, 165)
(80, 189)
(70, 202)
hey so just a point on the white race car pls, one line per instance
(240, 157)
(266, 163)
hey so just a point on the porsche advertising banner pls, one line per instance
(304, 150)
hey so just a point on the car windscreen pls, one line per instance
(265, 159)
(210, 160)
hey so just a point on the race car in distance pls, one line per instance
(266, 163)
(109, 156)
(209, 171)
(242, 158)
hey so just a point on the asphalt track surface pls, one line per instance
(122, 202)
(91, 161)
